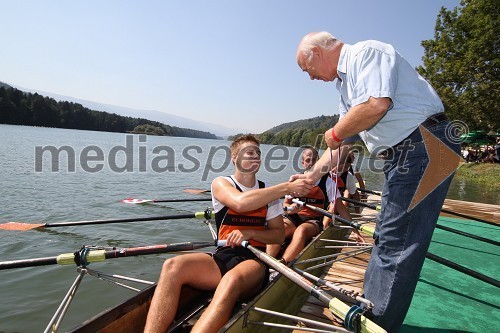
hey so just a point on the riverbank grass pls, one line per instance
(484, 174)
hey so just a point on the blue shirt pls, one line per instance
(375, 69)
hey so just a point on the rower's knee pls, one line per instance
(171, 267)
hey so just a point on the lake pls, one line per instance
(55, 175)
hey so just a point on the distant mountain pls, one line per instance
(163, 117)
(19, 107)
(301, 132)
(310, 123)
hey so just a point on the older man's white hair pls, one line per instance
(321, 39)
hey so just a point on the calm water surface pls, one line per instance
(30, 296)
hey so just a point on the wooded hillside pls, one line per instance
(21, 108)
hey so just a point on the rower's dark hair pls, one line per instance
(243, 138)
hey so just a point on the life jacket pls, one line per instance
(316, 197)
(342, 181)
(228, 220)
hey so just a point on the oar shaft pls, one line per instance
(367, 230)
(463, 269)
(101, 255)
(28, 263)
(155, 249)
(182, 200)
(290, 274)
(132, 219)
(359, 203)
(369, 191)
(335, 305)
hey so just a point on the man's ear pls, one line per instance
(316, 50)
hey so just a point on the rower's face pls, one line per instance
(247, 159)
(308, 159)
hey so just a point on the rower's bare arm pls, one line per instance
(324, 164)
(274, 233)
(249, 200)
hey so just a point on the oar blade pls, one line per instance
(196, 191)
(19, 226)
(136, 201)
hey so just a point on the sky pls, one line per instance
(225, 62)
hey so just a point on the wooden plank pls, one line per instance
(483, 211)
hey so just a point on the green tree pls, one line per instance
(149, 129)
(462, 62)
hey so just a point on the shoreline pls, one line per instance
(483, 174)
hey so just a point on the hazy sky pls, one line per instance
(224, 62)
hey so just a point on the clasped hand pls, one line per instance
(299, 186)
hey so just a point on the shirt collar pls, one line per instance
(342, 65)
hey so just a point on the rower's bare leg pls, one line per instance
(197, 269)
(356, 196)
(342, 210)
(301, 236)
(241, 282)
(274, 249)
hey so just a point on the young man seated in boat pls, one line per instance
(245, 209)
(302, 223)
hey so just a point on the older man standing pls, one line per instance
(394, 110)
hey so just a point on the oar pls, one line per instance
(90, 255)
(363, 228)
(143, 201)
(196, 191)
(444, 211)
(455, 231)
(336, 306)
(369, 191)
(20, 226)
(359, 203)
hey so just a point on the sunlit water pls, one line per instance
(162, 168)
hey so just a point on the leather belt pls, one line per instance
(431, 121)
(434, 119)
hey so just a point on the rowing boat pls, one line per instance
(280, 295)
